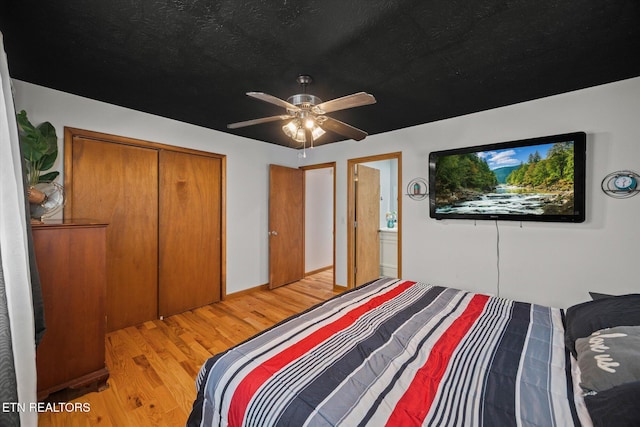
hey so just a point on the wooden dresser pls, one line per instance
(71, 259)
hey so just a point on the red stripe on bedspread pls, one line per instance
(424, 386)
(248, 386)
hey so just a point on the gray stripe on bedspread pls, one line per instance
(535, 370)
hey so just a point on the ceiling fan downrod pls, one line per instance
(304, 80)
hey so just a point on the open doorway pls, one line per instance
(374, 232)
(319, 217)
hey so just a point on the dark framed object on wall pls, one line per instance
(536, 179)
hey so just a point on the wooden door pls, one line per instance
(286, 225)
(367, 238)
(117, 184)
(190, 231)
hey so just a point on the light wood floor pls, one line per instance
(153, 366)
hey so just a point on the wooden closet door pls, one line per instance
(118, 184)
(190, 231)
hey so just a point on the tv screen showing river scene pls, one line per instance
(538, 179)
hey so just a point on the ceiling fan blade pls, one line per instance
(349, 101)
(259, 121)
(343, 129)
(273, 100)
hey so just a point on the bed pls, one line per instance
(401, 353)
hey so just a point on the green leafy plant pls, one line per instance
(39, 149)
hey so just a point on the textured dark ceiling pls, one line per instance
(424, 60)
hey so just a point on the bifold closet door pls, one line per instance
(117, 184)
(189, 231)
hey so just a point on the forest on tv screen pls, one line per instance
(470, 172)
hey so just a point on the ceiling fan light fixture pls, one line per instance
(309, 123)
(291, 128)
(296, 131)
(300, 135)
(317, 132)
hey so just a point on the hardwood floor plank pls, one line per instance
(153, 365)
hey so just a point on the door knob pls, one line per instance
(273, 233)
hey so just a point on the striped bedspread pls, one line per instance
(397, 353)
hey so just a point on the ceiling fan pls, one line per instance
(308, 114)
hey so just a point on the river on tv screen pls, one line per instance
(526, 180)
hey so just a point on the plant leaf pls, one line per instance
(49, 137)
(39, 148)
(49, 177)
(46, 162)
(33, 145)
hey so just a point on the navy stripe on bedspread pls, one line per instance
(501, 377)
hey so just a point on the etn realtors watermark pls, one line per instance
(46, 407)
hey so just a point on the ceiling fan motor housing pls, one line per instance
(304, 100)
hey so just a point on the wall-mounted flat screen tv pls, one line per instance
(537, 179)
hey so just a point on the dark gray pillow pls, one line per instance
(617, 406)
(597, 295)
(609, 357)
(584, 319)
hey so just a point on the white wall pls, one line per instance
(318, 238)
(553, 264)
